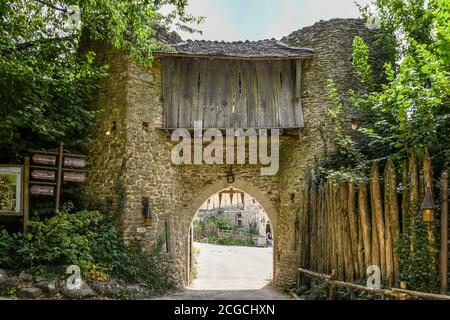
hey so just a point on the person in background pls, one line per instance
(269, 239)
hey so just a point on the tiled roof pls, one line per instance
(270, 48)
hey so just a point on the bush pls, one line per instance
(88, 239)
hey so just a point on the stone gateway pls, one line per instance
(265, 84)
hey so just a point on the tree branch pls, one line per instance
(26, 45)
(45, 3)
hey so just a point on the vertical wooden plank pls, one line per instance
(225, 105)
(405, 195)
(188, 79)
(361, 261)
(26, 194)
(353, 224)
(240, 120)
(252, 94)
(366, 224)
(211, 97)
(175, 89)
(167, 95)
(392, 211)
(347, 241)
(377, 211)
(262, 77)
(276, 83)
(444, 233)
(287, 108)
(197, 114)
(413, 199)
(428, 183)
(298, 112)
(339, 232)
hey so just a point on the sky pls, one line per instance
(232, 20)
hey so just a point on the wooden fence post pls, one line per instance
(26, 194)
(392, 218)
(444, 233)
(366, 224)
(413, 199)
(377, 211)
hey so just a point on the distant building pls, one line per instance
(238, 208)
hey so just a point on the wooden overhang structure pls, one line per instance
(244, 84)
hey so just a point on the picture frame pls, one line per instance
(11, 189)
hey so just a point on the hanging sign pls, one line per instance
(44, 159)
(42, 190)
(74, 177)
(43, 174)
(74, 162)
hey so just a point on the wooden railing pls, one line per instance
(399, 293)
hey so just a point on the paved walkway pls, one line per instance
(231, 273)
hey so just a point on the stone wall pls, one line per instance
(137, 153)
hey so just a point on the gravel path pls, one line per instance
(231, 273)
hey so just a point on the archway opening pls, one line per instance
(231, 243)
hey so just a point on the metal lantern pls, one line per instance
(146, 212)
(230, 175)
(355, 124)
(427, 206)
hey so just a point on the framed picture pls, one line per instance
(11, 189)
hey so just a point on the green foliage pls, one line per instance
(251, 229)
(361, 61)
(403, 111)
(418, 262)
(220, 222)
(87, 239)
(232, 241)
(48, 78)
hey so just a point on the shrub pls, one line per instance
(88, 239)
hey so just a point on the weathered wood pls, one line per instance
(298, 111)
(211, 97)
(313, 228)
(331, 223)
(361, 263)
(26, 194)
(348, 254)
(240, 110)
(375, 244)
(431, 236)
(366, 224)
(405, 196)
(396, 292)
(444, 233)
(377, 211)
(353, 224)
(392, 218)
(339, 233)
(413, 199)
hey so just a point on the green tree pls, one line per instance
(48, 82)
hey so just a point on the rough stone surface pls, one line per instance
(83, 292)
(29, 293)
(137, 292)
(131, 159)
(48, 286)
(109, 288)
(3, 277)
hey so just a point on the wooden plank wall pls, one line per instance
(227, 93)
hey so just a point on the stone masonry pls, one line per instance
(130, 155)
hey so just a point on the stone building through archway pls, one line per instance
(285, 88)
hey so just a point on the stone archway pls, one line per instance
(191, 210)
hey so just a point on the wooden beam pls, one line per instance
(26, 194)
(444, 233)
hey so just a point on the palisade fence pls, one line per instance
(344, 226)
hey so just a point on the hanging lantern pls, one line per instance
(230, 175)
(427, 206)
